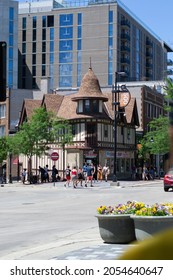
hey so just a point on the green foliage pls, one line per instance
(4, 147)
(40, 131)
(156, 141)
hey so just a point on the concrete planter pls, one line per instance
(146, 226)
(116, 228)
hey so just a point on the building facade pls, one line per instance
(91, 116)
(57, 41)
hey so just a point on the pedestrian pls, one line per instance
(84, 169)
(94, 173)
(99, 173)
(54, 173)
(145, 173)
(90, 171)
(133, 172)
(68, 176)
(105, 172)
(24, 175)
(42, 174)
(46, 173)
(74, 177)
(80, 176)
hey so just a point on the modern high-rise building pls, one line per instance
(59, 40)
(9, 34)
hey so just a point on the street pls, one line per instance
(43, 221)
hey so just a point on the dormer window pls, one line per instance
(89, 106)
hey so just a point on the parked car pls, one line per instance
(168, 180)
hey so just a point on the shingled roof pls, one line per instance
(29, 105)
(89, 88)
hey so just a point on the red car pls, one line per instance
(168, 180)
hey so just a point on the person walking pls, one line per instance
(68, 176)
(84, 169)
(99, 173)
(74, 177)
(105, 172)
(46, 173)
(42, 174)
(54, 173)
(80, 176)
(24, 175)
(90, 171)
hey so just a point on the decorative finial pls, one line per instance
(90, 63)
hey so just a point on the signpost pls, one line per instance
(54, 156)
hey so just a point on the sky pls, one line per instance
(157, 15)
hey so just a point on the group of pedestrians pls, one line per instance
(145, 173)
(87, 174)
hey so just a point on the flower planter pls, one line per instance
(146, 226)
(116, 228)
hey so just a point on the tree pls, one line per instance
(36, 134)
(4, 148)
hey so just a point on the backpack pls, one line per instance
(67, 172)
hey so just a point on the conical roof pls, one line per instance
(89, 88)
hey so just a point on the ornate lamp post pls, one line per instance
(124, 99)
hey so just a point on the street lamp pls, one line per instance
(116, 103)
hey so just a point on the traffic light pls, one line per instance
(3, 62)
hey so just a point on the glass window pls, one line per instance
(34, 22)
(34, 59)
(50, 21)
(34, 70)
(87, 106)
(110, 30)
(11, 27)
(79, 19)
(51, 33)
(43, 70)
(66, 57)
(10, 65)
(65, 81)
(65, 69)
(34, 84)
(23, 47)
(2, 110)
(24, 23)
(10, 79)
(66, 32)
(2, 130)
(51, 46)
(105, 130)
(34, 47)
(66, 19)
(79, 45)
(24, 36)
(43, 58)
(43, 21)
(95, 106)
(110, 16)
(44, 34)
(44, 46)
(34, 35)
(51, 58)
(79, 32)
(66, 45)
(11, 13)
(11, 40)
(10, 53)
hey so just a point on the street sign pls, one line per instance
(54, 156)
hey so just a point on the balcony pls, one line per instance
(125, 36)
(169, 62)
(125, 49)
(125, 23)
(125, 60)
